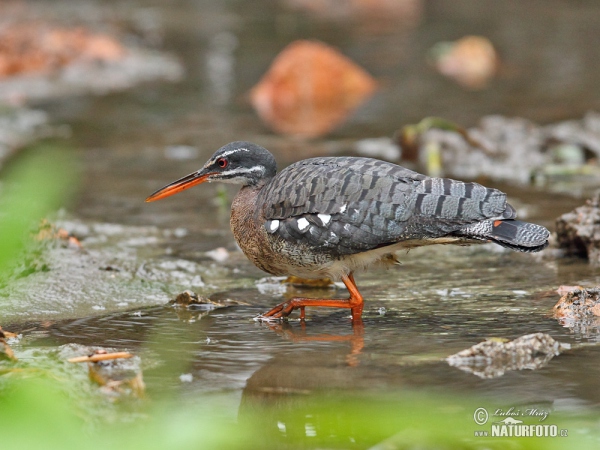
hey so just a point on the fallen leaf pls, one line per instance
(471, 61)
(310, 89)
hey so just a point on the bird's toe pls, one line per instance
(265, 318)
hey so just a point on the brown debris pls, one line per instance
(493, 357)
(5, 350)
(579, 304)
(310, 89)
(562, 156)
(578, 232)
(410, 138)
(189, 298)
(7, 334)
(42, 48)
(116, 376)
(48, 231)
(191, 307)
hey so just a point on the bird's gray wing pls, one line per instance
(350, 205)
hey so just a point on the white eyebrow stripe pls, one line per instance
(230, 152)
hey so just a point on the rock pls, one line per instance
(191, 299)
(578, 232)
(579, 309)
(493, 357)
(219, 254)
(191, 307)
(561, 156)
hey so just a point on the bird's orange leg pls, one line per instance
(354, 303)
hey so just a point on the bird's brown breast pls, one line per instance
(249, 232)
(270, 252)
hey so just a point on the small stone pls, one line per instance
(187, 298)
(579, 308)
(578, 232)
(495, 356)
(219, 254)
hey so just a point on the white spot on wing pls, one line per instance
(325, 218)
(273, 226)
(303, 224)
(343, 208)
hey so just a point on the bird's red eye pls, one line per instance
(222, 162)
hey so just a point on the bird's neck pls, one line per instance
(247, 225)
(245, 209)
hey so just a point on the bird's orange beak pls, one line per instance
(180, 185)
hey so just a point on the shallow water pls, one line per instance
(438, 302)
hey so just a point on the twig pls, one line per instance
(100, 357)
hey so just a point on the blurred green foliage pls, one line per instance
(37, 414)
(35, 183)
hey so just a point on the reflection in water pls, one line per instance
(356, 339)
(295, 379)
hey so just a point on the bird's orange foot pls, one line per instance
(285, 309)
(354, 303)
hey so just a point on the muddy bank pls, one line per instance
(112, 267)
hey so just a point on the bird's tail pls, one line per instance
(513, 234)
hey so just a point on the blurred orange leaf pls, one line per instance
(310, 89)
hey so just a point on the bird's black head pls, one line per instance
(241, 163)
(238, 162)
